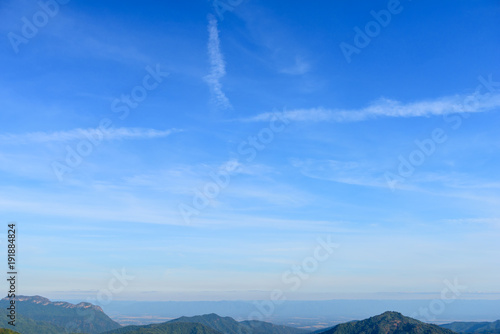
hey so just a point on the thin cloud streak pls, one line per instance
(299, 68)
(384, 107)
(79, 134)
(217, 64)
(348, 172)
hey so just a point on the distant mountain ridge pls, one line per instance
(228, 325)
(166, 328)
(474, 327)
(45, 301)
(387, 323)
(59, 317)
(39, 315)
(218, 324)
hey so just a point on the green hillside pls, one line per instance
(225, 325)
(388, 323)
(166, 328)
(83, 317)
(7, 331)
(29, 326)
(228, 325)
(474, 327)
(261, 327)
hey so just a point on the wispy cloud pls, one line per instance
(493, 222)
(299, 68)
(372, 174)
(78, 134)
(217, 64)
(348, 172)
(255, 184)
(457, 180)
(384, 107)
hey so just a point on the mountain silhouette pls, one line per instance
(387, 323)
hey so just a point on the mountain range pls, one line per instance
(387, 323)
(474, 327)
(38, 315)
(166, 328)
(57, 317)
(209, 324)
(228, 325)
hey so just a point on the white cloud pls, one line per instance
(78, 134)
(218, 66)
(391, 108)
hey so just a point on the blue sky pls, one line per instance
(390, 150)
